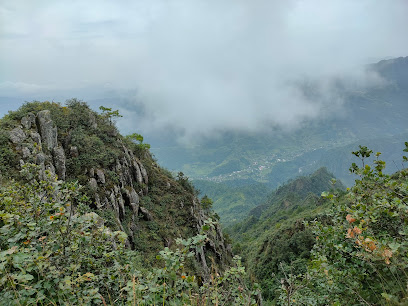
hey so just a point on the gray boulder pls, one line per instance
(59, 161)
(93, 184)
(101, 176)
(17, 135)
(146, 214)
(36, 137)
(47, 130)
(26, 152)
(28, 121)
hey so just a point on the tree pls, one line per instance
(108, 113)
(206, 202)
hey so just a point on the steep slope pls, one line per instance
(274, 232)
(124, 184)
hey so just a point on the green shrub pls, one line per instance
(54, 250)
(361, 250)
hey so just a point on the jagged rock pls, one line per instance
(28, 121)
(73, 151)
(93, 184)
(101, 176)
(36, 137)
(118, 166)
(47, 131)
(125, 177)
(98, 201)
(137, 174)
(17, 135)
(40, 159)
(115, 206)
(26, 152)
(121, 205)
(59, 161)
(116, 189)
(144, 173)
(133, 199)
(119, 193)
(105, 201)
(146, 214)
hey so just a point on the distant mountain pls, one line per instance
(375, 117)
(293, 194)
(395, 70)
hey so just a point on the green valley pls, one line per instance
(374, 117)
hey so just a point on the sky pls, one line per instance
(197, 67)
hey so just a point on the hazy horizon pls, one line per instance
(198, 67)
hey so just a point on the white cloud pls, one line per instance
(203, 66)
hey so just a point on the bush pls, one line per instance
(361, 251)
(54, 250)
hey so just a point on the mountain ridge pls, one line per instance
(126, 186)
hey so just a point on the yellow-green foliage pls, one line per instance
(361, 251)
(53, 250)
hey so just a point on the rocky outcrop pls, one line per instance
(215, 244)
(28, 121)
(17, 135)
(36, 138)
(146, 214)
(93, 184)
(47, 130)
(59, 162)
(122, 187)
(101, 176)
(41, 130)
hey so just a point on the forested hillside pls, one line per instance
(87, 216)
(274, 232)
(341, 248)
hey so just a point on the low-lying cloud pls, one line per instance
(203, 66)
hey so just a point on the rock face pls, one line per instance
(47, 130)
(122, 187)
(52, 157)
(59, 162)
(101, 176)
(28, 121)
(17, 135)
